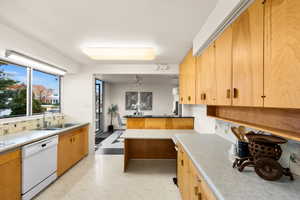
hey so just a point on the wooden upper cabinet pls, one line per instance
(199, 88)
(182, 83)
(187, 79)
(224, 67)
(208, 76)
(282, 54)
(247, 56)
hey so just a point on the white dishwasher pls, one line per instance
(39, 166)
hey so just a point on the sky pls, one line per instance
(39, 78)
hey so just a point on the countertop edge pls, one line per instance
(48, 134)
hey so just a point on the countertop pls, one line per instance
(156, 116)
(154, 133)
(20, 139)
(209, 153)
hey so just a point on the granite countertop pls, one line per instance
(156, 116)
(17, 140)
(154, 133)
(209, 153)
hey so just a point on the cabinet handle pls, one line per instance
(199, 196)
(182, 163)
(228, 94)
(204, 96)
(199, 180)
(196, 190)
(235, 93)
(181, 99)
(189, 98)
(71, 140)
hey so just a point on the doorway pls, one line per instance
(99, 109)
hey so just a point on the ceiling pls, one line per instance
(146, 78)
(68, 25)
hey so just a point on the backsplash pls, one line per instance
(291, 150)
(12, 127)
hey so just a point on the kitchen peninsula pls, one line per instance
(150, 136)
(159, 122)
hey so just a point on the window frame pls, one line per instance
(29, 94)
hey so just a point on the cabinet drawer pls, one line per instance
(9, 156)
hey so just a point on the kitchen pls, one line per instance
(236, 133)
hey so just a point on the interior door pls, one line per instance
(247, 56)
(224, 67)
(282, 60)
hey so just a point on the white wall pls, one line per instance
(14, 40)
(162, 97)
(78, 101)
(202, 123)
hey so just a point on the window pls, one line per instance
(13, 90)
(15, 84)
(45, 92)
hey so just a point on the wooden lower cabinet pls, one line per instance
(72, 147)
(191, 184)
(160, 123)
(10, 175)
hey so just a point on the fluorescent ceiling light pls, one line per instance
(32, 62)
(120, 53)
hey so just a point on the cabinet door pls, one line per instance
(199, 85)
(190, 78)
(208, 76)
(180, 169)
(195, 189)
(183, 174)
(84, 138)
(10, 176)
(224, 67)
(65, 153)
(77, 145)
(282, 60)
(182, 90)
(247, 56)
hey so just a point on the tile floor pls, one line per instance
(100, 177)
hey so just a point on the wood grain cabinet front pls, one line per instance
(10, 175)
(248, 56)
(191, 184)
(187, 79)
(223, 52)
(72, 147)
(282, 50)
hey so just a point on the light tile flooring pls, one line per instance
(101, 177)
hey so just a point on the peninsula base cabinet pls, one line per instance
(10, 175)
(72, 147)
(191, 184)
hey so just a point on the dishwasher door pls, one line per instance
(39, 163)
